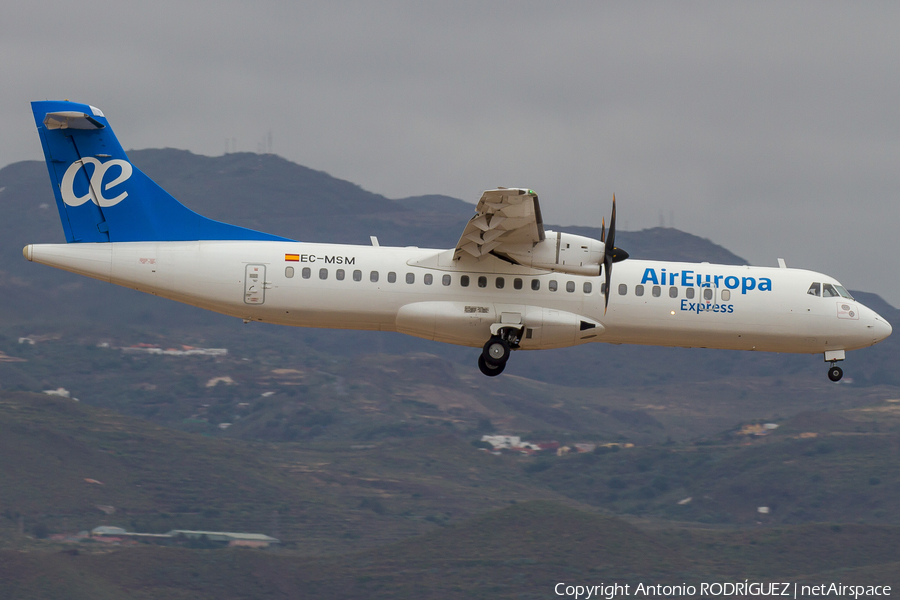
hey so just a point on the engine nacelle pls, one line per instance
(562, 252)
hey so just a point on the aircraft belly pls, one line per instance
(774, 331)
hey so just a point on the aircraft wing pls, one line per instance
(505, 219)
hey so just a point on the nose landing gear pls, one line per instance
(835, 372)
(833, 356)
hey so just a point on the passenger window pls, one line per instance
(603, 288)
(500, 282)
(392, 277)
(410, 278)
(289, 272)
(535, 284)
(623, 289)
(517, 283)
(428, 279)
(657, 291)
(813, 289)
(323, 273)
(339, 274)
(707, 294)
(726, 295)
(638, 290)
(373, 276)
(689, 293)
(570, 286)
(445, 280)
(482, 281)
(306, 273)
(673, 292)
(357, 275)
(587, 287)
(828, 291)
(464, 281)
(553, 286)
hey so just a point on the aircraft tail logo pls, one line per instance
(102, 196)
(95, 187)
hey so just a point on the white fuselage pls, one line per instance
(421, 292)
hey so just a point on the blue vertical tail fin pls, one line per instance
(102, 197)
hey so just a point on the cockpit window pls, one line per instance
(828, 291)
(844, 293)
(814, 289)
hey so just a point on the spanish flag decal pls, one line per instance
(292, 257)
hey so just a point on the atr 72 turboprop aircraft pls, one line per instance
(507, 285)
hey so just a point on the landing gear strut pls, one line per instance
(496, 351)
(835, 372)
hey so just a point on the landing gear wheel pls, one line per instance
(496, 351)
(489, 370)
(835, 373)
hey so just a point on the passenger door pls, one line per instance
(255, 284)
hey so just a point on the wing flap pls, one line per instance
(503, 218)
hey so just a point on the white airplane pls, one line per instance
(507, 285)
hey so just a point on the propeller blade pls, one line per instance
(603, 230)
(607, 264)
(611, 238)
(611, 254)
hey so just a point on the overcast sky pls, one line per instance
(770, 128)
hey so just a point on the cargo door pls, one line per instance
(255, 284)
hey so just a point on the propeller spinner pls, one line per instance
(611, 254)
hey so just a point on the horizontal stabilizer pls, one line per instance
(71, 120)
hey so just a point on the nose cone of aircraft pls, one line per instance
(877, 327)
(880, 328)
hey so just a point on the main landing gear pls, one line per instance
(496, 351)
(488, 369)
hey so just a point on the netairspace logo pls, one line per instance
(95, 187)
(739, 588)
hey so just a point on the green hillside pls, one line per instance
(319, 499)
(821, 467)
(433, 516)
